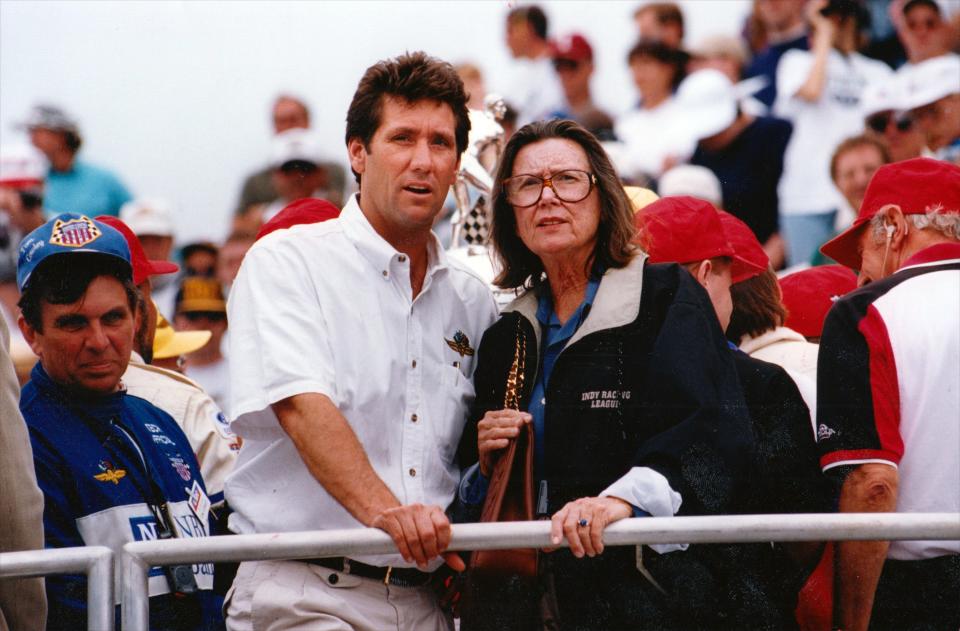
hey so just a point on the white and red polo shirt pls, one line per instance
(889, 386)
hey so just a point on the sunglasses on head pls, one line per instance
(880, 122)
(213, 316)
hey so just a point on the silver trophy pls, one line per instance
(472, 193)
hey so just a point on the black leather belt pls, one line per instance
(399, 576)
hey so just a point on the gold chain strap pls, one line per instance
(511, 398)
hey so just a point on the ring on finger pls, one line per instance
(583, 523)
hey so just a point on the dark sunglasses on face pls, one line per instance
(880, 122)
(565, 64)
(213, 316)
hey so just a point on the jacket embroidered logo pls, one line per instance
(461, 344)
(110, 474)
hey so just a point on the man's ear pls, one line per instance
(704, 270)
(30, 334)
(901, 227)
(358, 155)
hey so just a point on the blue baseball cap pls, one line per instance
(69, 233)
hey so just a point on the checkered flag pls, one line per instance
(476, 226)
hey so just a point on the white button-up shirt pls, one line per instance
(328, 308)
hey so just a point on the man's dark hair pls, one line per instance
(411, 77)
(63, 279)
(909, 5)
(664, 54)
(757, 307)
(73, 141)
(532, 15)
(520, 266)
(665, 13)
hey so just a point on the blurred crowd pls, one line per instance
(782, 126)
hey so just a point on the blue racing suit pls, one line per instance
(108, 466)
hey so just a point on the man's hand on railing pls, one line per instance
(421, 533)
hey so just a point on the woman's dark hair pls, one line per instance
(520, 266)
(63, 279)
(757, 307)
(411, 77)
(664, 54)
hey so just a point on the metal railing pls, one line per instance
(94, 561)
(138, 557)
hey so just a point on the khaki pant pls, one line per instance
(289, 595)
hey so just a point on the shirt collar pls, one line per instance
(380, 254)
(101, 406)
(546, 314)
(940, 253)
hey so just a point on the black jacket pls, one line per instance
(647, 381)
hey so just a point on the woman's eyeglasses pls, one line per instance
(880, 122)
(569, 186)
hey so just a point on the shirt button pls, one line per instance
(384, 273)
(413, 417)
(412, 472)
(413, 364)
(402, 258)
(543, 401)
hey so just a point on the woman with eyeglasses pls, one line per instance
(623, 371)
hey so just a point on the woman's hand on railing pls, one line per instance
(495, 431)
(582, 522)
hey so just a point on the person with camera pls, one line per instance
(113, 468)
(820, 91)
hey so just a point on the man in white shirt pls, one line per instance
(534, 89)
(353, 347)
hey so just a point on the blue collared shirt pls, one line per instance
(555, 338)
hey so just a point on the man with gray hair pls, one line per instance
(889, 365)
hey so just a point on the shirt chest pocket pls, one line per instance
(455, 396)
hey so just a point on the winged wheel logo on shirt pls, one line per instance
(461, 344)
(110, 473)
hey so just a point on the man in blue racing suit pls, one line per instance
(112, 467)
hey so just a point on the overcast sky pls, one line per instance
(174, 96)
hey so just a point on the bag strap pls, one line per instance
(515, 378)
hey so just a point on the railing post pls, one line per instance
(100, 591)
(135, 609)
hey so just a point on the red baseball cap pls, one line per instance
(308, 210)
(143, 267)
(686, 229)
(809, 294)
(917, 186)
(744, 241)
(574, 47)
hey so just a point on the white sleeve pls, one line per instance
(648, 490)
(792, 72)
(279, 345)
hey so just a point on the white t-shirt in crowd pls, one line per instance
(806, 186)
(650, 137)
(535, 91)
(327, 308)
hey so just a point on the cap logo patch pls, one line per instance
(74, 233)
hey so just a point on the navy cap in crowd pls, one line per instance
(68, 233)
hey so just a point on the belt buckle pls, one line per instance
(386, 577)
